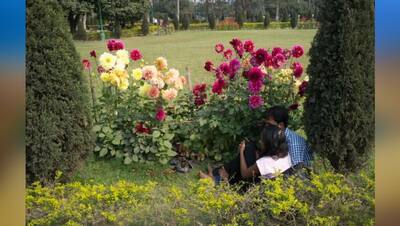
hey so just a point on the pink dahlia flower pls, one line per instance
(161, 115)
(255, 101)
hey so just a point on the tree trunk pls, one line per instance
(277, 11)
(84, 22)
(71, 22)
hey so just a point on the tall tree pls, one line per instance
(339, 109)
(57, 118)
(74, 10)
(121, 12)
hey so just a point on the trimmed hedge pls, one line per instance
(126, 33)
(258, 26)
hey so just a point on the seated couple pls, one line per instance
(278, 151)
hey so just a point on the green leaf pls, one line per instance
(163, 161)
(127, 160)
(103, 152)
(169, 136)
(135, 158)
(171, 153)
(96, 128)
(218, 157)
(202, 122)
(112, 152)
(107, 130)
(116, 141)
(97, 148)
(167, 144)
(136, 150)
(118, 154)
(156, 133)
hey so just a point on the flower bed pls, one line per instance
(144, 113)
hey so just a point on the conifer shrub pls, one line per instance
(57, 118)
(339, 110)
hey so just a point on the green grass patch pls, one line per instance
(108, 171)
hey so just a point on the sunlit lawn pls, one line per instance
(182, 49)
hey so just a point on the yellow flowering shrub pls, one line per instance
(325, 199)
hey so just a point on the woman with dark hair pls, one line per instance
(270, 158)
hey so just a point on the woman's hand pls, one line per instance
(242, 147)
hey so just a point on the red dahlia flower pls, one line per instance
(100, 69)
(86, 64)
(254, 87)
(276, 51)
(208, 65)
(294, 107)
(219, 48)
(255, 74)
(93, 54)
(297, 69)
(136, 55)
(224, 67)
(218, 86)
(228, 54)
(115, 44)
(161, 115)
(249, 46)
(199, 89)
(261, 56)
(278, 60)
(297, 51)
(198, 101)
(302, 88)
(141, 129)
(234, 66)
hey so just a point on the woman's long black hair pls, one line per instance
(273, 142)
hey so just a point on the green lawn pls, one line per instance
(192, 48)
(181, 49)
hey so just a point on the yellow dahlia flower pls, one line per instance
(107, 60)
(114, 79)
(105, 77)
(137, 74)
(123, 85)
(143, 90)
